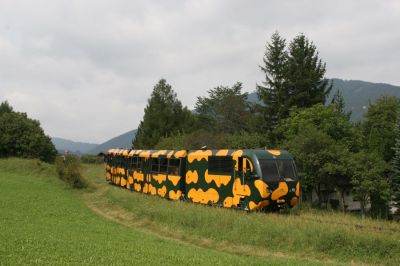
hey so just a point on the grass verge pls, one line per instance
(314, 236)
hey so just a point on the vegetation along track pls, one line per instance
(311, 236)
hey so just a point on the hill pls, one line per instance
(357, 94)
(63, 145)
(121, 141)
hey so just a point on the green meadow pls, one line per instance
(43, 221)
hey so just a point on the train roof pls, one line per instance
(259, 153)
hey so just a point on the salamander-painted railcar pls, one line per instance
(245, 179)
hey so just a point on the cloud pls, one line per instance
(86, 69)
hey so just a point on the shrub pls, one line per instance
(92, 159)
(69, 169)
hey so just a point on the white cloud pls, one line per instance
(85, 69)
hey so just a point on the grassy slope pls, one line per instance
(44, 222)
(318, 236)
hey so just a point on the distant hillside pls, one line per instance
(122, 141)
(63, 145)
(357, 94)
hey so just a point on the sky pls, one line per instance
(85, 69)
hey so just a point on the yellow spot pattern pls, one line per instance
(239, 189)
(137, 187)
(162, 191)
(262, 188)
(138, 176)
(158, 153)
(204, 197)
(175, 195)
(281, 191)
(294, 201)
(152, 189)
(130, 180)
(174, 179)
(123, 182)
(222, 153)
(253, 205)
(180, 154)
(199, 155)
(275, 152)
(169, 155)
(160, 178)
(218, 179)
(192, 177)
(298, 189)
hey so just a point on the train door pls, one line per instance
(146, 168)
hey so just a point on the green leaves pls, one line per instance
(21, 136)
(163, 116)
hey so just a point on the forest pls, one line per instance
(332, 152)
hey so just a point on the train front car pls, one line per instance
(275, 178)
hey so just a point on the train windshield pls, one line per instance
(273, 170)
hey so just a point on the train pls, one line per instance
(251, 180)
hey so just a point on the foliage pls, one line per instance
(274, 92)
(91, 159)
(395, 166)
(379, 126)
(225, 109)
(294, 78)
(305, 74)
(320, 138)
(163, 117)
(21, 136)
(69, 169)
(370, 182)
(211, 140)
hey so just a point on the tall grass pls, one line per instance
(305, 233)
(45, 224)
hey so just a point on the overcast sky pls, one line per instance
(85, 69)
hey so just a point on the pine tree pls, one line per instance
(338, 103)
(305, 74)
(273, 92)
(163, 116)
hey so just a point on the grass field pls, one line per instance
(43, 221)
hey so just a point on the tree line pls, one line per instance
(332, 152)
(21, 136)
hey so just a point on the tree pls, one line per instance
(305, 74)
(163, 116)
(273, 92)
(395, 166)
(294, 77)
(379, 126)
(5, 107)
(21, 136)
(321, 140)
(370, 182)
(224, 110)
(338, 103)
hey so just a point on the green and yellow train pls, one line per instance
(244, 179)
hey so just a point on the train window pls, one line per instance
(155, 165)
(272, 170)
(220, 165)
(173, 168)
(286, 169)
(140, 164)
(269, 170)
(133, 163)
(163, 165)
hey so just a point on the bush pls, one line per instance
(92, 159)
(69, 169)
